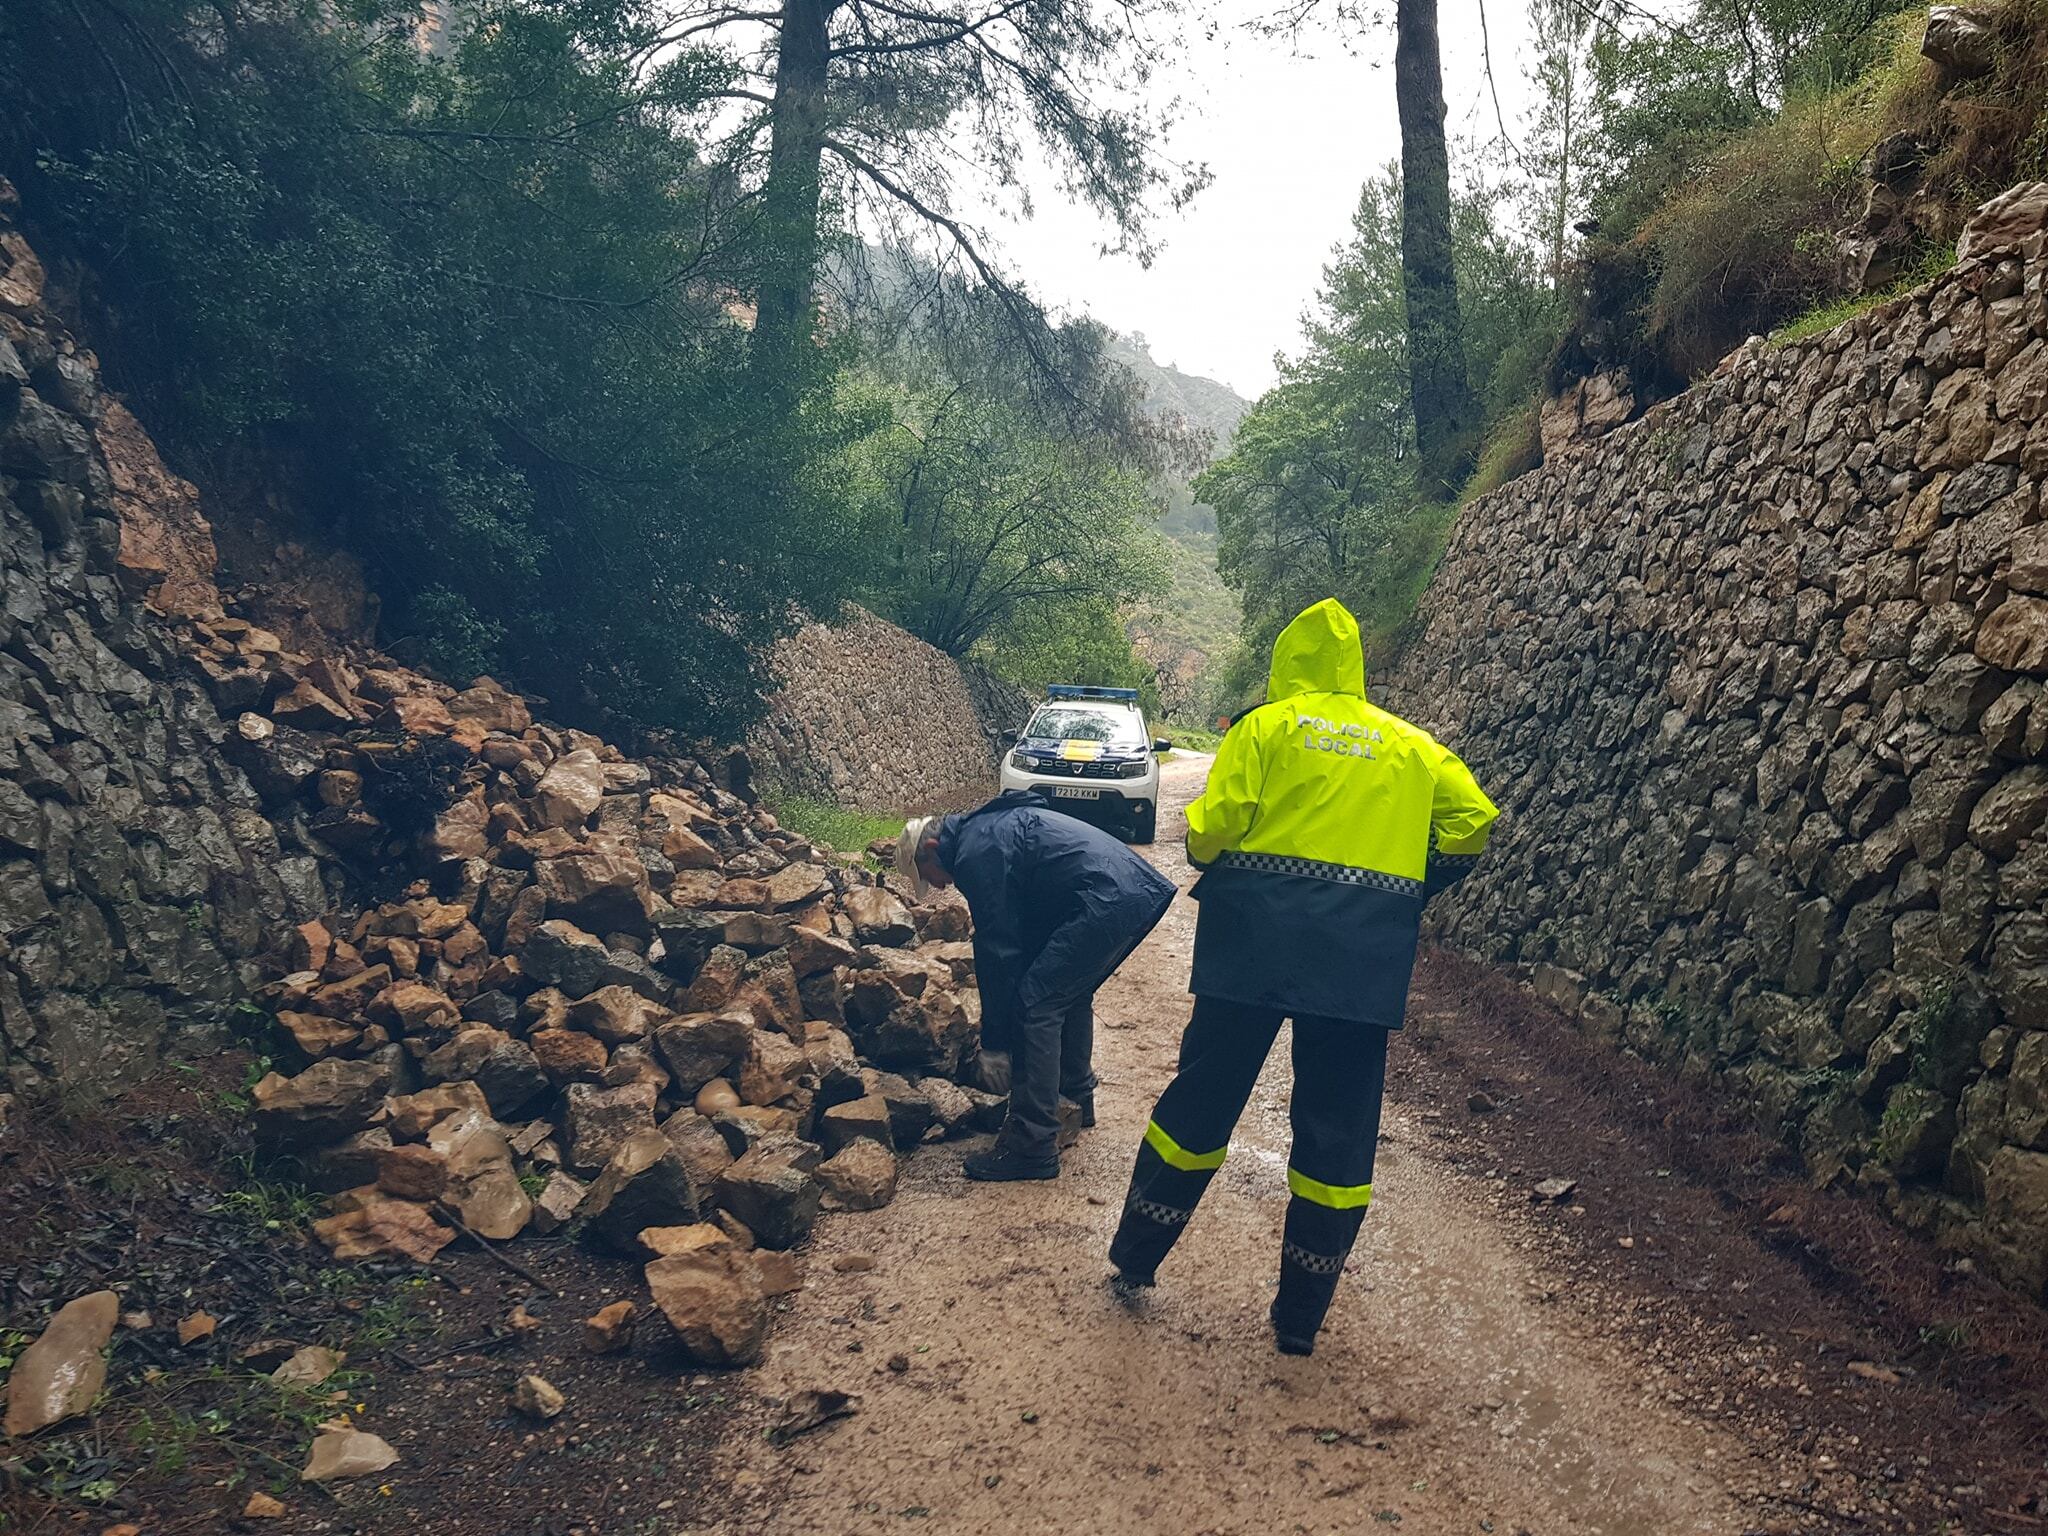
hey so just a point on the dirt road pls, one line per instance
(1005, 1390)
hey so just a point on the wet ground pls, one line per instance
(1005, 1388)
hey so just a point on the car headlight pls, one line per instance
(1021, 763)
(1131, 770)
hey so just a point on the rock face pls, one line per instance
(869, 715)
(1760, 683)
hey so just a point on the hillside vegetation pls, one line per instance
(1685, 182)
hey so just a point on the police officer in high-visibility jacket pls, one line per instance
(1326, 824)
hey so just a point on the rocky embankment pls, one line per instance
(512, 980)
(1761, 685)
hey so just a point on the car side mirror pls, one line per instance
(1010, 738)
(1162, 744)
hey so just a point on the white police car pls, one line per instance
(1087, 751)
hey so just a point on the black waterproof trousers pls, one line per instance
(1340, 1069)
(1053, 1052)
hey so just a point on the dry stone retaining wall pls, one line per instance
(871, 716)
(140, 875)
(1761, 685)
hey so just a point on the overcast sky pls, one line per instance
(1290, 133)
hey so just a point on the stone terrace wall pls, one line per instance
(1758, 682)
(870, 716)
(140, 876)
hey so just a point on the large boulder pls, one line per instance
(482, 1185)
(559, 954)
(772, 1069)
(858, 1119)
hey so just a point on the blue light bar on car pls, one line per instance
(1078, 691)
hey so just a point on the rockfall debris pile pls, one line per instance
(617, 999)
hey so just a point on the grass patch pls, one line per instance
(1513, 447)
(1826, 317)
(1190, 738)
(835, 826)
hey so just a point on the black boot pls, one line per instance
(1287, 1335)
(1000, 1165)
(1088, 1112)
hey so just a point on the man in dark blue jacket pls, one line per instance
(1057, 906)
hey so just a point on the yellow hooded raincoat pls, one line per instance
(1325, 825)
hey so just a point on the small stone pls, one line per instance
(339, 1454)
(1556, 1190)
(537, 1398)
(262, 1506)
(716, 1095)
(899, 1363)
(1870, 1371)
(1480, 1102)
(308, 1367)
(853, 1263)
(610, 1328)
(196, 1327)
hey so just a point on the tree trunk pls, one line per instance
(784, 318)
(1446, 416)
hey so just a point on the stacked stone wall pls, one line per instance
(140, 875)
(1761, 685)
(870, 716)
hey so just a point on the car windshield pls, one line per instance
(1074, 722)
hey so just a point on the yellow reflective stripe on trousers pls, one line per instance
(1338, 1197)
(1174, 1155)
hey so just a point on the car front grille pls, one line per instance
(1053, 768)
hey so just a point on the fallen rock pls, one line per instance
(325, 1102)
(308, 1367)
(1555, 1190)
(716, 1095)
(569, 793)
(862, 1177)
(949, 1103)
(864, 1118)
(1480, 1102)
(600, 886)
(1962, 40)
(483, 1188)
(59, 1375)
(597, 1121)
(615, 1014)
(878, 917)
(262, 1506)
(646, 1183)
(781, 1272)
(195, 1327)
(537, 1398)
(339, 1454)
(557, 1204)
(699, 1047)
(773, 1068)
(772, 1191)
(409, 1116)
(610, 1328)
(381, 1228)
(712, 1298)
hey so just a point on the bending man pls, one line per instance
(1057, 906)
(1326, 824)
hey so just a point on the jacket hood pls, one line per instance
(1319, 652)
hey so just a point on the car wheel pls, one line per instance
(1145, 825)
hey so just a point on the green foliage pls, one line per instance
(1318, 496)
(999, 527)
(1826, 317)
(476, 305)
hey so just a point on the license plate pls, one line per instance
(1067, 792)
